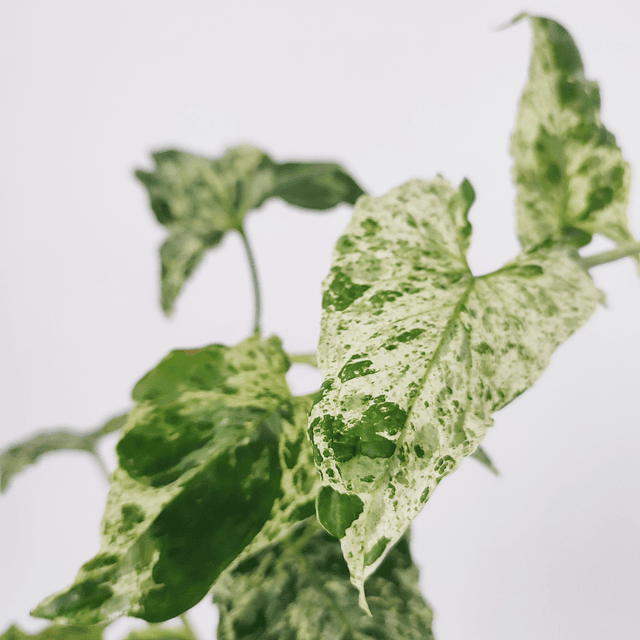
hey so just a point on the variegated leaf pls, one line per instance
(198, 475)
(416, 354)
(28, 452)
(299, 484)
(571, 178)
(156, 632)
(55, 632)
(199, 200)
(300, 590)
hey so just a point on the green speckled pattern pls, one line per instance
(199, 200)
(416, 354)
(571, 178)
(200, 470)
(300, 590)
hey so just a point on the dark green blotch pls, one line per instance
(598, 199)
(345, 244)
(132, 514)
(100, 561)
(292, 452)
(378, 299)
(419, 451)
(376, 551)
(355, 370)
(568, 91)
(213, 518)
(327, 385)
(382, 416)
(87, 595)
(524, 270)
(445, 465)
(409, 335)
(576, 237)
(376, 446)
(483, 348)
(564, 50)
(553, 173)
(369, 226)
(342, 292)
(337, 511)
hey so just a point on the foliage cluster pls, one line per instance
(285, 508)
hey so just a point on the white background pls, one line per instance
(550, 548)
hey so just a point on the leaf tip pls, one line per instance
(511, 22)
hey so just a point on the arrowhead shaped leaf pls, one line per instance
(417, 353)
(571, 178)
(199, 200)
(55, 632)
(198, 475)
(300, 590)
(21, 455)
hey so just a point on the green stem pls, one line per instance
(254, 277)
(305, 358)
(621, 251)
(187, 626)
(101, 464)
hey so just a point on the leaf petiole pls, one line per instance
(623, 250)
(254, 278)
(305, 358)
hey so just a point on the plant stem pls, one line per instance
(254, 277)
(101, 464)
(621, 251)
(187, 626)
(305, 358)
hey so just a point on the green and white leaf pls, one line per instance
(300, 481)
(55, 632)
(571, 178)
(416, 354)
(300, 590)
(198, 475)
(199, 200)
(155, 632)
(23, 454)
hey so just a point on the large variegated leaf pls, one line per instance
(28, 452)
(198, 476)
(300, 590)
(571, 178)
(199, 200)
(417, 353)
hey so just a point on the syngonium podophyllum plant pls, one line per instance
(294, 512)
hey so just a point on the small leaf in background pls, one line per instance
(154, 632)
(300, 590)
(56, 632)
(315, 185)
(19, 456)
(571, 178)
(416, 354)
(197, 477)
(200, 199)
